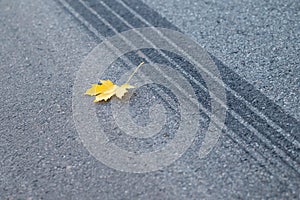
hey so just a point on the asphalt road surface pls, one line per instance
(255, 46)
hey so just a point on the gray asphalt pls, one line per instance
(259, 40)
(256, 48)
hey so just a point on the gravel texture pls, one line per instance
(257, 39)
(42, 156)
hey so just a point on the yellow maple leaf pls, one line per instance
(110, 90)
(97, 89)
(94, 90)
(107, 89)
(120, 91)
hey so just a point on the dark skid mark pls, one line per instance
(91, 18)
(257, 99)
(118, 24)
(145, 11)
(263, 104)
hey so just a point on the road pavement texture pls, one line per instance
(255, 47)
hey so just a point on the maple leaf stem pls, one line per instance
(135, 70)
